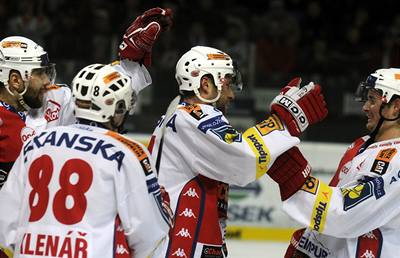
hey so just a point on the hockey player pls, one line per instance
(70, 182)
(25, 72)
(198, 153)
(357, 214)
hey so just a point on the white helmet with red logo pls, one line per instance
(25, 56)
(199, 61)
(101, 91)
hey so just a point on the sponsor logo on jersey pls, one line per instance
(257, 145)
(311, 185)
(52, 111)
(382, 160)
(77, 142)
(194, 110)
(212, 123)
(210, 251)
(311, 247)
(228, 134)
(272, 123)
(355, 195)
(27, 133)
(321, 207)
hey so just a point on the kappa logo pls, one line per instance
(187, 213)
(52, 112)
(370, 235)
(121, 250)
(368, 254)
(184, 232)
(180, 253)
(191, 193)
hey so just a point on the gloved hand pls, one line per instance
(138, 40)
(290, 170)
(299, 107)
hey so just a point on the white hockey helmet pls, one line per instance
(24, 55)
(201, 60)
(100, 92)
(386, 80)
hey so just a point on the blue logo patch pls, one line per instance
(212, 123)
(356, 195)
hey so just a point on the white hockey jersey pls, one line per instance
(66, 189)
(201, 153)
(359, 217)
(57, 109)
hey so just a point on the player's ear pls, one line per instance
(15, 81)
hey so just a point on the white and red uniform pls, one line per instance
(66, 188)
(201, 155)
(57, 109)
(358, 215)
(18, 127)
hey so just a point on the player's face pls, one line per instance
(371, 109)
(227, 96)
(37, 84)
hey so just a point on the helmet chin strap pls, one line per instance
(380, 122)
(210, 101)
(20, 96)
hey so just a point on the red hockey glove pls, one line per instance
(291, 251)
(138, 40)
(300, 107)
(290, 170)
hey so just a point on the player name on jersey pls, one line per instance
(77, 142)
(73, 244)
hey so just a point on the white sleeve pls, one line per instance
(216, 150)
(67, 114)
(139, 204)
(11, 196)
(346, 212)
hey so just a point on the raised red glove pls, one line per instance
(299, 107)
(166, 205)
(290, 170)
(291, 251)
(138, 40)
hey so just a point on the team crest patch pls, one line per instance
(382, 160)
(270, 124)
(194, 110)
(311, 185)
(358, 194)
(228, 134)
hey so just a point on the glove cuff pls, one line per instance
(293, 109)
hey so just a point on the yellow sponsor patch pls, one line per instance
(397, 76)
(217, 57)
(386, 154)
(311, 185)
(320, 209)
(270, 124)
(18, 44)
(259, 148)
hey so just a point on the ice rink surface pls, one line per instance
(256, 249)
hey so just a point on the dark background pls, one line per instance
(334, 43)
